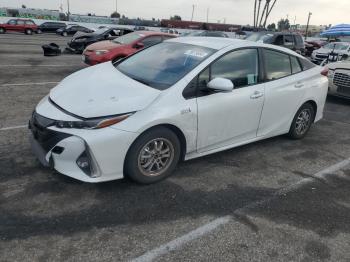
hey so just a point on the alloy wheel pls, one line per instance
(303, 122)
(156, 157)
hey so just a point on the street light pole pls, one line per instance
(207, 14)
(307, 25)
(116, 6)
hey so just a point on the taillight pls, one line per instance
(325, 71)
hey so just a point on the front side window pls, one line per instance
(277, 65)
(20, 22)
(12, 22)
(162, 65)
(241, 67)
(29, 23)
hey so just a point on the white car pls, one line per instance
(339, 78)
(338, 48)
(178, 100)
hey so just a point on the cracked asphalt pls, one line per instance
(45, 216)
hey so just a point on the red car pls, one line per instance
(26, 26)
(122, 46)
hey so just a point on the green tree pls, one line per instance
(283, 24)
(175, 17)
(115, 14)
(271, 27)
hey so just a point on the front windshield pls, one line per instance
(162, 65)
(259, 37)
(128, 38)
(336, 46)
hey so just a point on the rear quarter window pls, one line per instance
(306, 64)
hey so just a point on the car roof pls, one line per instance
(221, 43)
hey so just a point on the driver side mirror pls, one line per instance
(221, 84)
(139, 45)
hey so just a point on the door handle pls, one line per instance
(298, 85)
(256, 95)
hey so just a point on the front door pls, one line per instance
(227, 118)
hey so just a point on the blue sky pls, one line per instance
(234, 11)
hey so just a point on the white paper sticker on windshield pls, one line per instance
(196, 53)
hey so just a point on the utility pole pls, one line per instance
(307, 25)
(116, 6)
(193, 6)
(208, 15)
(68, 13)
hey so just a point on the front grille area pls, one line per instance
(321, 56)
(46, 138)
(342, 81)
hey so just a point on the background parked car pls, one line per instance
(339, 77)
(170, 31)
(72, 29)
(207, 33)
(26, 26)
(50, 27)
(81, 40)
(122, 46)
(311, 46)
(289, 40)
(337, 49)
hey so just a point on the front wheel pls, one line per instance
(302, 122)
(153, 156)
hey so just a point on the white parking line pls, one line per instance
(178, 242)
(28, 84)
(207, 228)
(12, 127)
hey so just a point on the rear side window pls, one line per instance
(306, 64)
(29, 23)
(20, 22)
(296, 68)
(299, 40)
(288, 40)
(277, 65)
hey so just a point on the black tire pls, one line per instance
(302, 121)
(28, 31)
(2, 30)
(134, 166)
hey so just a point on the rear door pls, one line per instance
(285, 87)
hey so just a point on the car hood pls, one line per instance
(102, 90)
(103, 45)
(327, 51)
(339, 65)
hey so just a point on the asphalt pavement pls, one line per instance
(274, 200)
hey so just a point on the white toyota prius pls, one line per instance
(178, 100)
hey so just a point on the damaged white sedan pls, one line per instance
(178, 100)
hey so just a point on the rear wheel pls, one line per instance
(2, 30)
(302, 122)
(153, 156)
